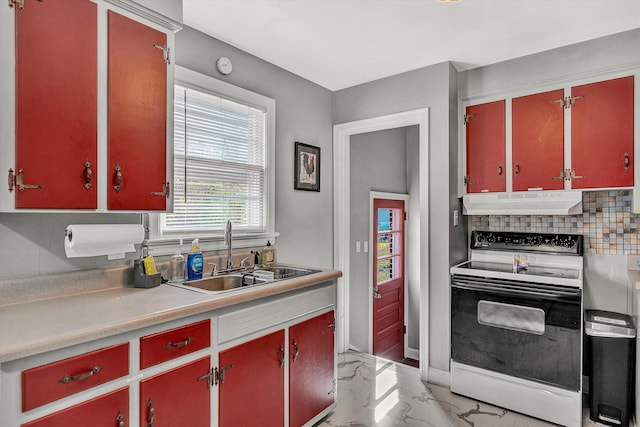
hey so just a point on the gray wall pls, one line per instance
(378, 163)
(605, 53)
(33, 243)
(427, 87)
(303, 113)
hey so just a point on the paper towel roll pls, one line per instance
(86, 240)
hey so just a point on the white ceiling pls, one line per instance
(343, 43)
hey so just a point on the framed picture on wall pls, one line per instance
(306, 167)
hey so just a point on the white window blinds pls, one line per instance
(219, 165)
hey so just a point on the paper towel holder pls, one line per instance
(113, 240)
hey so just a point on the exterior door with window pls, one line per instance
(388, 278)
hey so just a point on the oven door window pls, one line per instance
(509, 316)
(535, 338)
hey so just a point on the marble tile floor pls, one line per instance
(374, 392)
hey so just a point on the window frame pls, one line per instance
(165, 245)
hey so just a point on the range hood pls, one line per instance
(524, 203)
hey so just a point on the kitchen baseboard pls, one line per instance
(413, 353)
(440, 377)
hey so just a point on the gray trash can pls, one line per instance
(611, 343)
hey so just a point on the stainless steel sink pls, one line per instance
(243, 279)
(216, 284)
(281, 272)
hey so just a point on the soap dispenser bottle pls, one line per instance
(195, 262)
(269, 254)
(177, 266)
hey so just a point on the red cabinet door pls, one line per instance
(177, 397)
(56, 104)
(538, 141)
(485, 132)
(311, 368)
(108, 410)
(252, 390)
(602, 134)
(137, 115)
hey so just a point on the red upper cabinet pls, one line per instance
(485, 140)
(137, 116)
(538, 141)
(252, 383)
(56, 105)
(602, 134)
(311, 368)
(93, 114)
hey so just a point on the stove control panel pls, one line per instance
(571, 244)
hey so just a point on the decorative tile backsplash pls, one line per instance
(607, 224)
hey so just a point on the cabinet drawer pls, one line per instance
(56, 380)
(167, 345)
(111, 409)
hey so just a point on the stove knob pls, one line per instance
(491, 239)
(536, 241)
(480, 238)
(569, 243)
(556, 241)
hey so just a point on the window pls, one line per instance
(223, 163)
(389, 241)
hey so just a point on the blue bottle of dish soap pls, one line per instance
(195, 262)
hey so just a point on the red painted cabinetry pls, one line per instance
(485, 143)
(70, 107)
(538, 141)
(108, 410)
(47, 383)
(56, 104)
(167, 345)
(311, 368)
(602, 134)
(251, 383)
(137, 116)
(178, 397)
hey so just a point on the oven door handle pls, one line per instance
(558, 294)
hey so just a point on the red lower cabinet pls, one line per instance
(53, 381)
(311, 368)
(109, 410)
(178, 397)
(251, 383)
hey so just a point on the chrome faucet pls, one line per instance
(227, 241)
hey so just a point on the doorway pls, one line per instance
(387, 265)
(342, 219)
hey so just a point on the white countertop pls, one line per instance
(39, 326)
